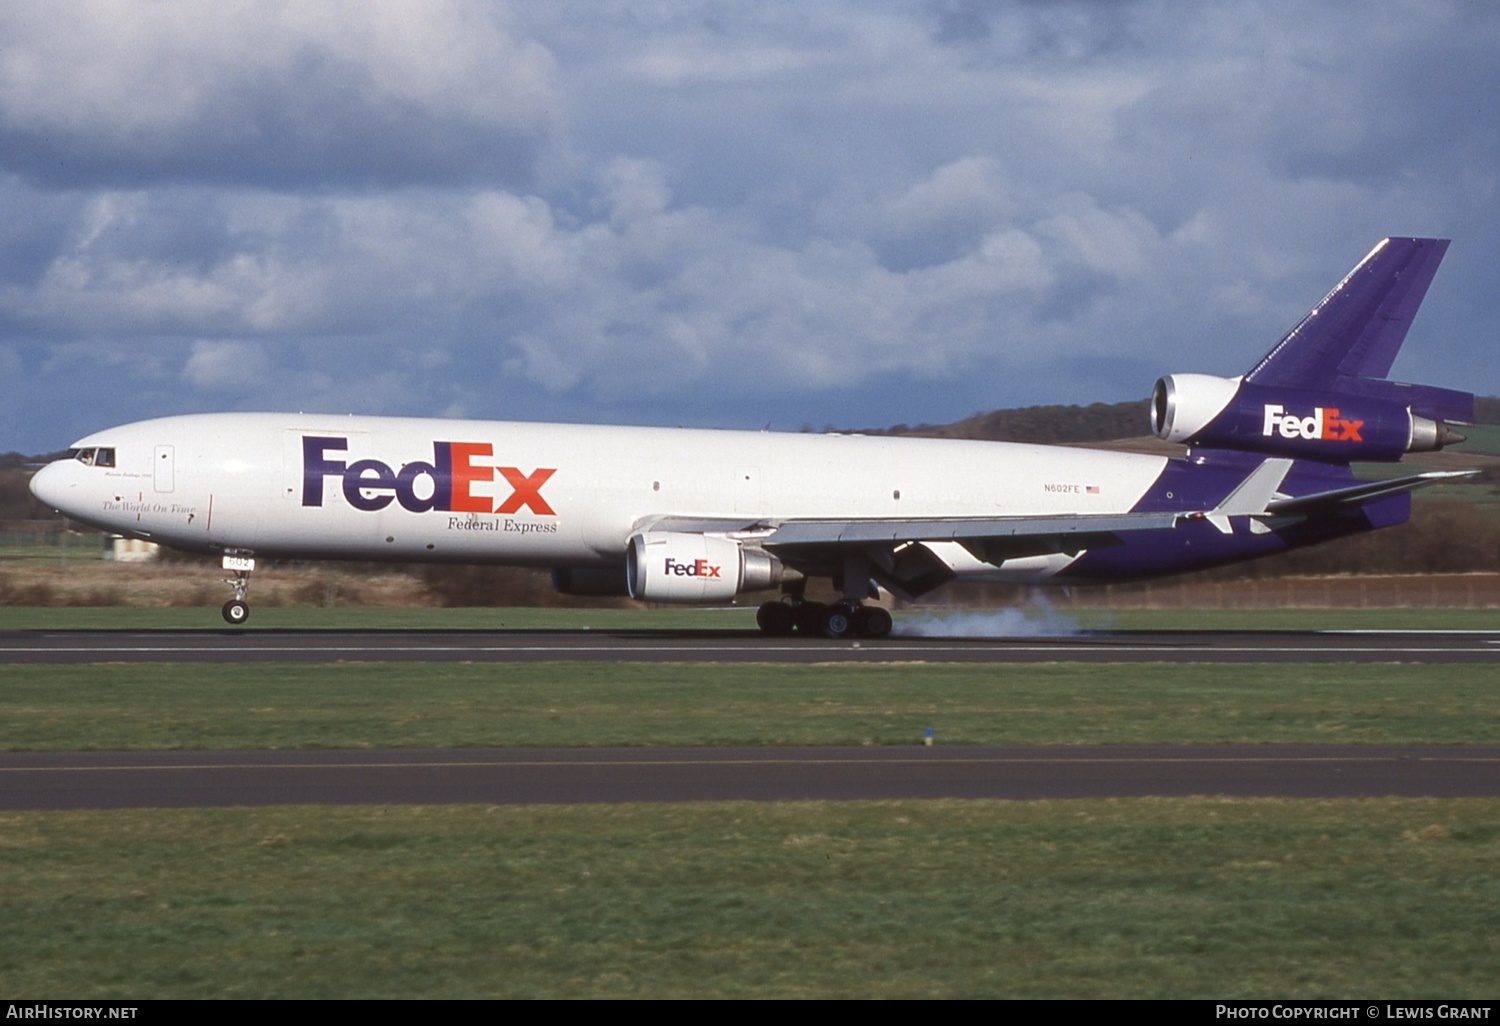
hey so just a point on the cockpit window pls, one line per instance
(100, 457)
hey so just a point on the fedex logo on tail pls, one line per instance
(446, 484)
(1325, 424)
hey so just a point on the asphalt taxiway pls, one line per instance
(101, 780)
(663, 646)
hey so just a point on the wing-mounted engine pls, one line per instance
(672, 566)
(1336, 426)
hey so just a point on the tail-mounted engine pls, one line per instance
(1228, 413)
(667, 566)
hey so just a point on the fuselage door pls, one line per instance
(163, 462)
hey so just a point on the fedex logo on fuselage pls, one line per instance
(697, 568)
(1325, 424)
(446, 484)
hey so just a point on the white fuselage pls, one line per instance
(547, 494)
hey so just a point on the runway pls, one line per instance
(664, 646)
(505, 776)
(106, 780)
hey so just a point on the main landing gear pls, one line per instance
(830, 619)
(850, 618)
(236, 611)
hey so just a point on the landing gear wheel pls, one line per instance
(775, 618)
(808, 617)
(236, 611)
(836, 621)
(872, 622)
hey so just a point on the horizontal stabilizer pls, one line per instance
(1355, 494)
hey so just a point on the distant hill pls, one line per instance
(1063, 425)
(1099, 422)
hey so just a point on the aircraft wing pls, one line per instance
(992, 538)
(1071, 532)
(894, 548)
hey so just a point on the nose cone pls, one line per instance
(55, 485)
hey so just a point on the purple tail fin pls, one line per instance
(1358, 328)
(1347, 343)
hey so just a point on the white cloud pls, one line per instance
(226, 366)
(635, 189)
(278, 92)
(696, 61)
(967, 190)
(691, 212)
(1112, 243)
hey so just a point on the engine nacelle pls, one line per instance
(1228, 413)
(668, 566)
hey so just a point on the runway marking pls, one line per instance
(166, 779)
(1428, 646)
(615, 763)
(1398, 630)
(894, 649)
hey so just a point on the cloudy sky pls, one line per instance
(716, 213)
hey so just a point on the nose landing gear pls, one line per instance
(236, 611)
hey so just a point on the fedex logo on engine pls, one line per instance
(1325, 424)
(447, 483)
(697, 568)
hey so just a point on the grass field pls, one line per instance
(1127, 898)
(342, 705)
(1139, 898)
(1041, 619)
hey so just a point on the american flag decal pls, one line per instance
(1091, 489)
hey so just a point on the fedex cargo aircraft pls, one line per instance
(703, 516)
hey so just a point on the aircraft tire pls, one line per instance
(872, 622)
(807, 617)
(776, 619)
(236, 612)
(836, 621)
